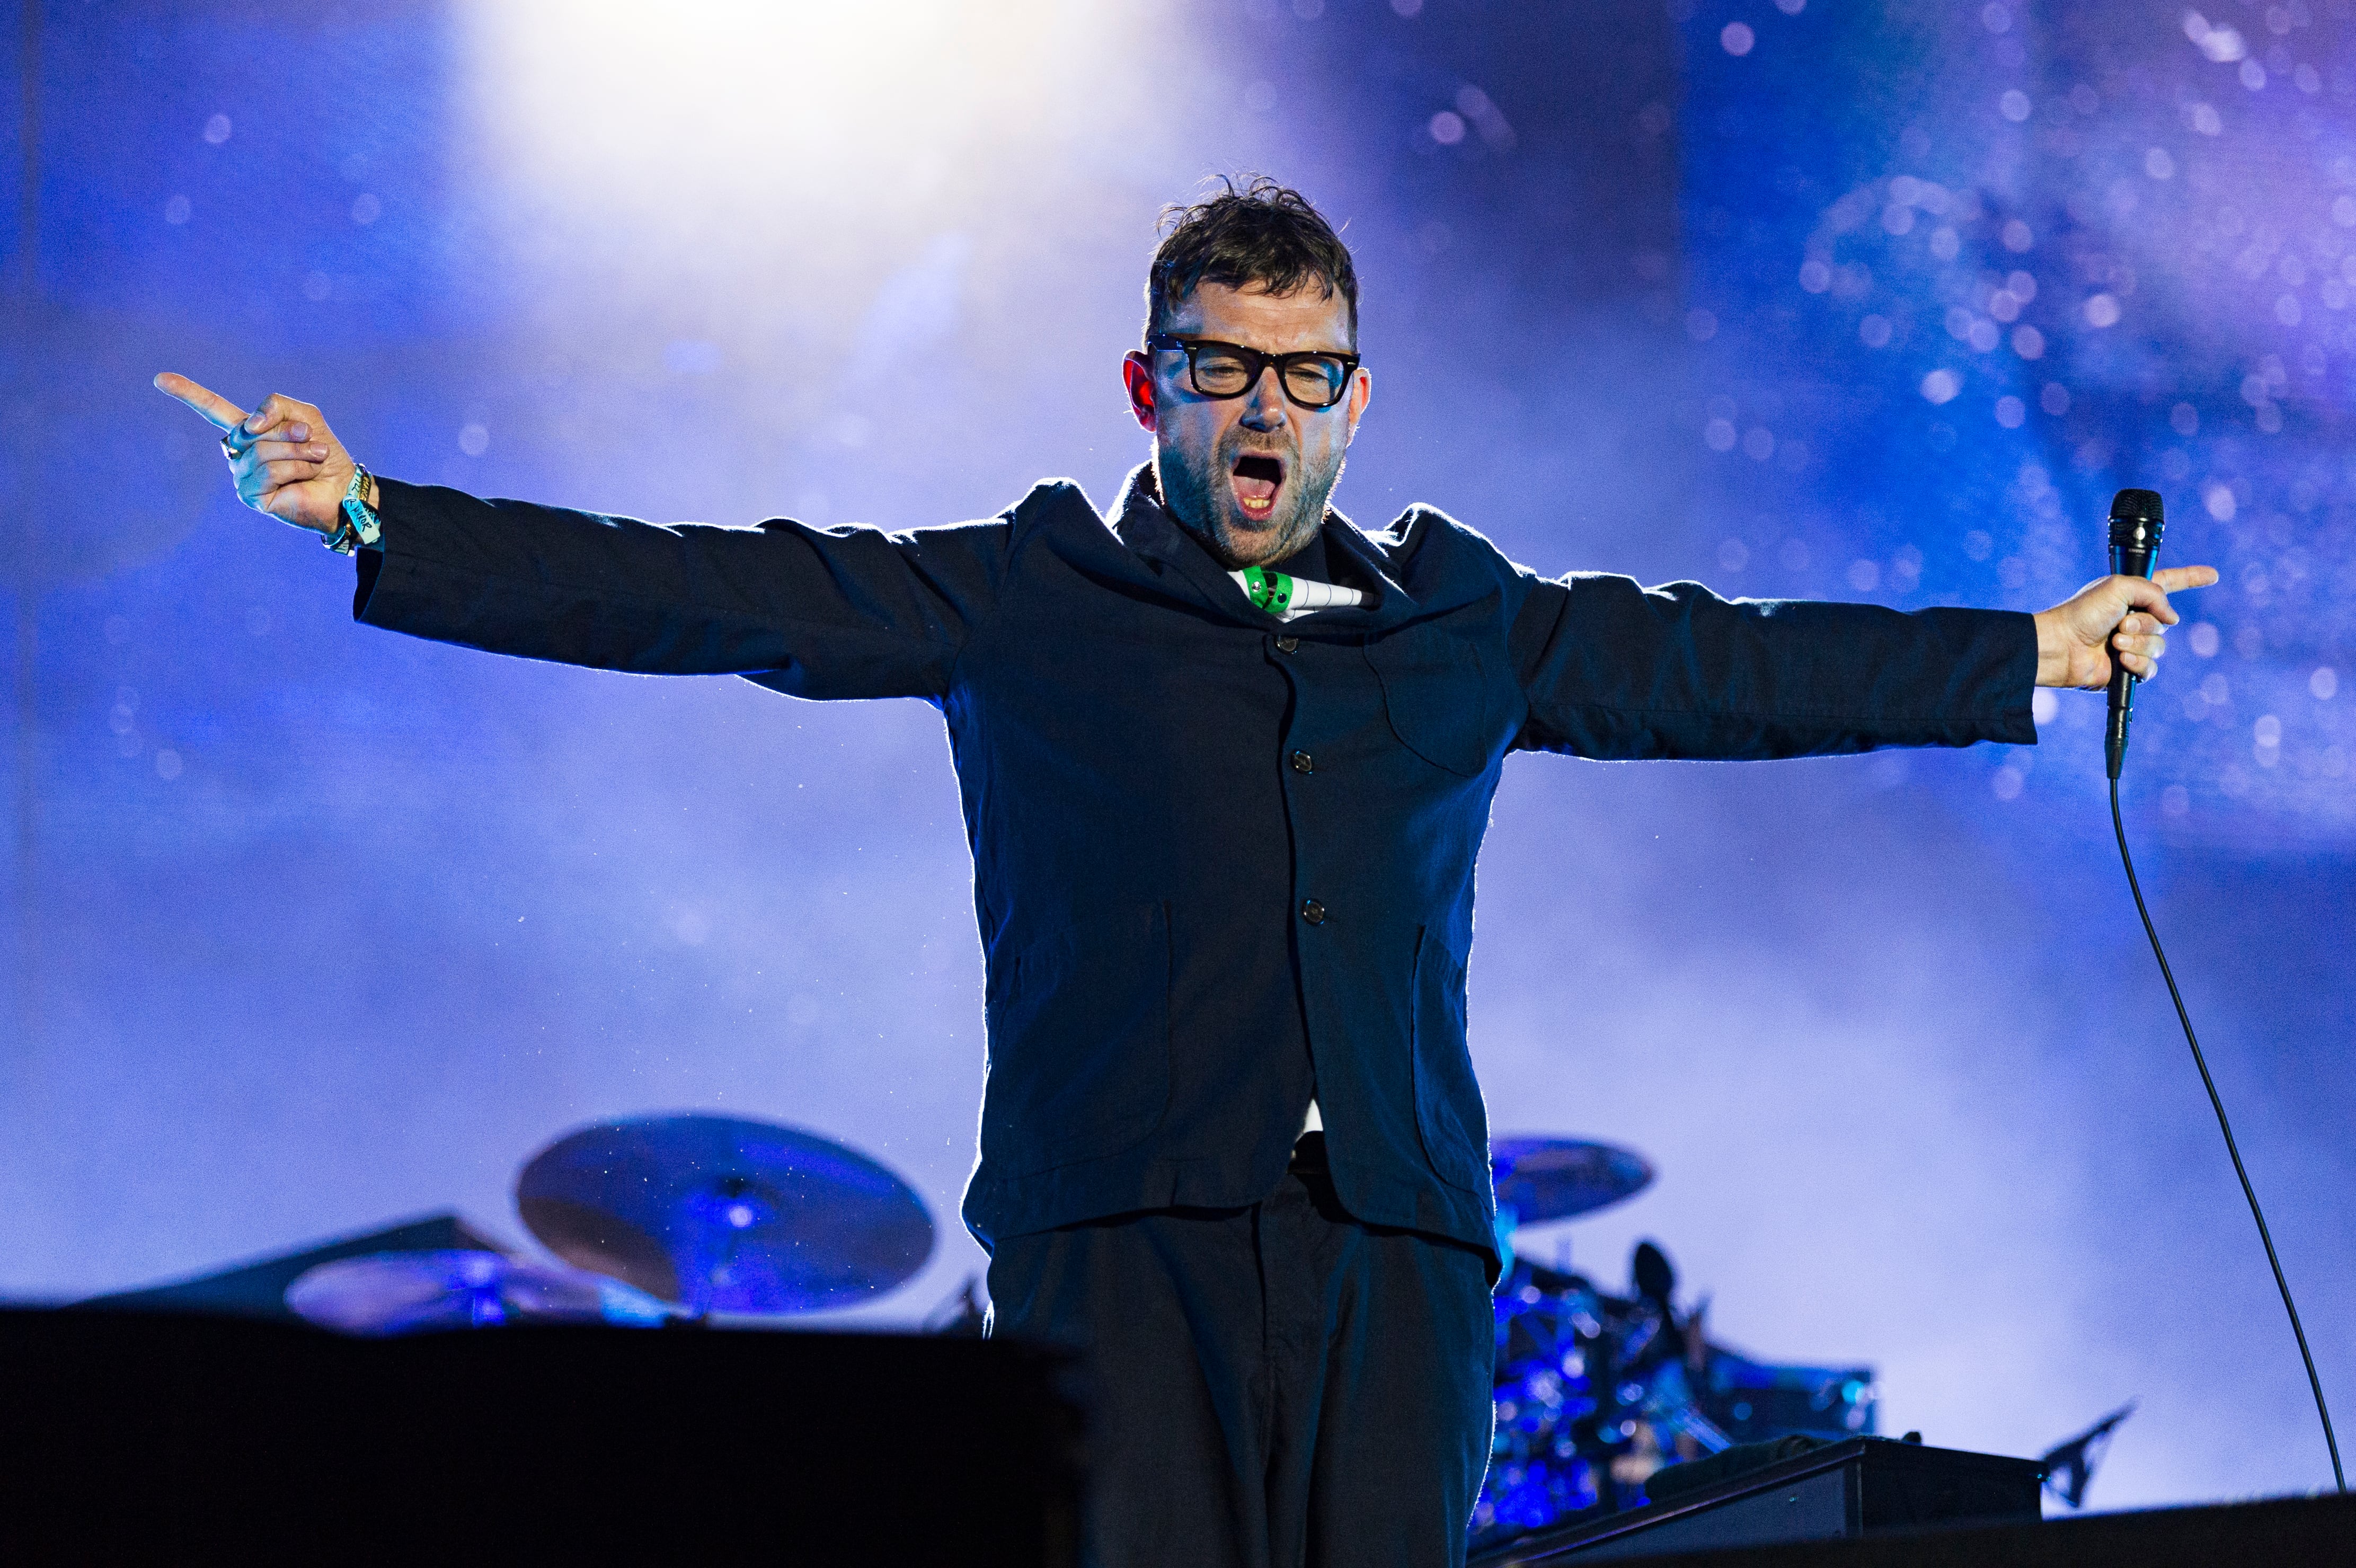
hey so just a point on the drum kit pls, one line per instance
(671, 1219)
(1596, 1391)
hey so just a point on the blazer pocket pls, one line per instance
(1436, 696)
(1449, 1113)
(1079, 1043)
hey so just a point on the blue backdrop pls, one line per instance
(313, 928)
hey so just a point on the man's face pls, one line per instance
(1247, 474)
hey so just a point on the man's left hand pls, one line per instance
(2073, 638)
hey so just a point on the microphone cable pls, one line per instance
(2119, 826)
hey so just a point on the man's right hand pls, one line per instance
(285, 460)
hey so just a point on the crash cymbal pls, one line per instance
(407, 1292)
(726, 1215)
(1553, 1178)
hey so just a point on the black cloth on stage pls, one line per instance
(1217, 859)
(1277, 1386)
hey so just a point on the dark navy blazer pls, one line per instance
(1221, 864)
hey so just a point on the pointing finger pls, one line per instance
(2178, 577)
(223, 414)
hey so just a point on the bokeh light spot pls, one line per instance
(1737, 38)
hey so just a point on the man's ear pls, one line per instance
(1139, 375)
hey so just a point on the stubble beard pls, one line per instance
(1204, 503)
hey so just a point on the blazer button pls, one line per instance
(1301, 763)
(1287, 644)
(1312, 911)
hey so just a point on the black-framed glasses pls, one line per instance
(1313, 378)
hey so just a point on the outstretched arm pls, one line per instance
(1617, 671)
(850, 612)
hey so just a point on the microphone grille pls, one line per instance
(2137, 517)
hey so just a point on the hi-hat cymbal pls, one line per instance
(1553, 1178)
(405, 1292)
(723, 1214)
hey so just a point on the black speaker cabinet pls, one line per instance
(1841, 1490)
(147, 1436)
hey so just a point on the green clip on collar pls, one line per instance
(1271, 591)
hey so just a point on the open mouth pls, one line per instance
(1257, 478)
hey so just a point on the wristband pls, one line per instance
(359, 528)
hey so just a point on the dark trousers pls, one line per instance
(1271, 1387)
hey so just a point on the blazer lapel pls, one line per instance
(1142, 523)
(1392, 607)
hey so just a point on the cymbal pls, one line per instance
(1553, 1178)
(724, 1213)
(405, 1292)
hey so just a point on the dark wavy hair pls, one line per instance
(1265, 235)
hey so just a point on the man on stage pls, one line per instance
(1225, 762)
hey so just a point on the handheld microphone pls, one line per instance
(2136, 519)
